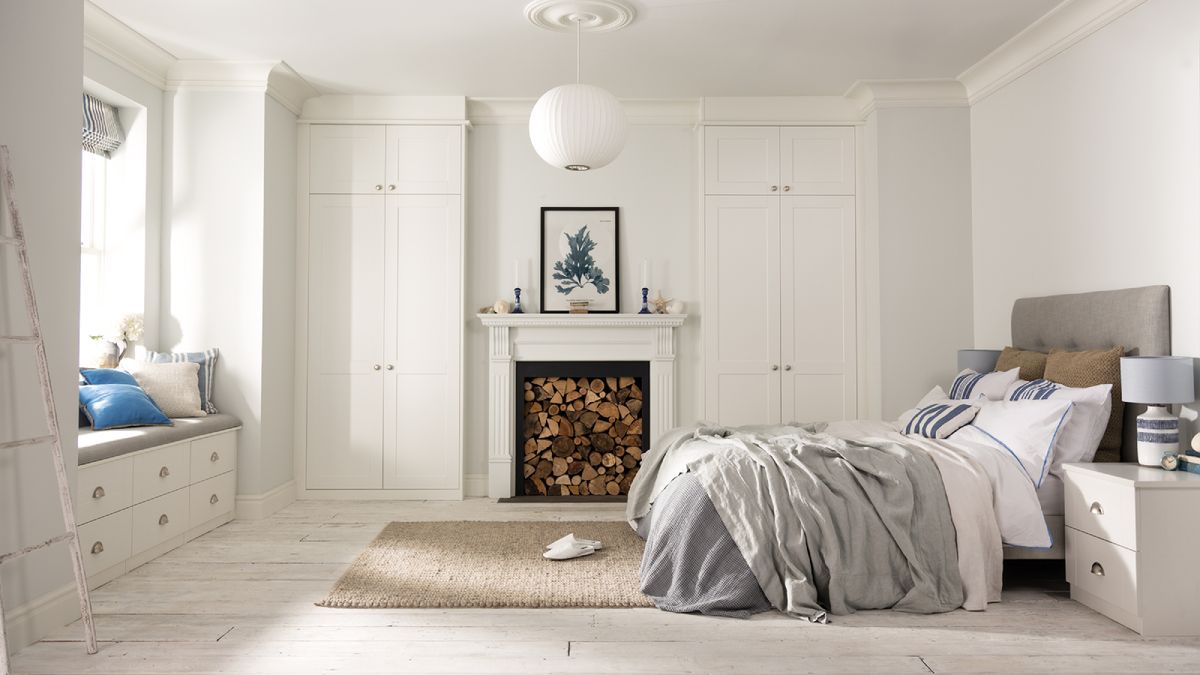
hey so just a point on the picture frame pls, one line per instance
(579, 258)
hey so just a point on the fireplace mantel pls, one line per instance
(571, 337)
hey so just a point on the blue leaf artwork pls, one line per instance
(578, 269)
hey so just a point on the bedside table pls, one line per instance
(1133, 545)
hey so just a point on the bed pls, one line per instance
(857, 515)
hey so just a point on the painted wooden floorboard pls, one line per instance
(240, 600)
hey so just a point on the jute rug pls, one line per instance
(491, 564)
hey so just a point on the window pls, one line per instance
(94, 200)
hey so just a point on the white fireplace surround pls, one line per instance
(567, 337)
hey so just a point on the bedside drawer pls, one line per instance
(106, 542)
(213, 456)
(159, 519)
(101, 489)
(1102, 508)
(1103, 569)
(214, 497)
(160, 471)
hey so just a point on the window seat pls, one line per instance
(95, 446)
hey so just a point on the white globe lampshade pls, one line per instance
(577, 127)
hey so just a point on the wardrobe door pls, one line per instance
(346, 159)
(741, 160)
(345, 342)
(818, 317)
(741, 317)
(424, 160)
(816, 160)
(423, 307)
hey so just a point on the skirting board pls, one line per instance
(34, 620)
(257, 507)
(475, 485)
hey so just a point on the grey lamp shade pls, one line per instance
(978, 360)
(1157, 380)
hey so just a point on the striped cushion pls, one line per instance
(208, 363)
(1036, 390)
(939, 420)
(971, 385)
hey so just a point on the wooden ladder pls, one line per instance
(71, 536)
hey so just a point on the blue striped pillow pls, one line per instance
(1035, 390)
(208, 363)
(939, 420)
(972, 385)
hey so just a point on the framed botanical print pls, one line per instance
(579, 258)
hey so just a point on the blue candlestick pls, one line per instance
(645, 302)
(517, 305)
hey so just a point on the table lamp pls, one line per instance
(1158, 382)
(978, 360)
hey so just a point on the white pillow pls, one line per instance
(174, 387)
(1025, 429)
(1081, 436)
(936, 394)
(939, 420)
(970, 385)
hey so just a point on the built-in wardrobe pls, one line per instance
(779, 274)
(381, 310)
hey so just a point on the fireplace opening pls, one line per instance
(582, 427)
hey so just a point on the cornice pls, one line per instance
(778, 110)
(662, 111)
(370, 109)
(107, 36)
(1049, 36)
(871, 95)
(583, 320)
(274, 78)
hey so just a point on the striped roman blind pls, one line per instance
(102, 131)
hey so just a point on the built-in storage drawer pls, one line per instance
(213, 456)
(106, 541)
(103, 488)
(1103, 569)
(212, 498)
(159, 519)
(1103, 508)
(160, 471)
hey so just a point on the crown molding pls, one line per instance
(108, 37)
(1049, 36)
(289, 88)
(350, 108)
(871, 95)
(778, 110)
(661, 111)
(274, 78)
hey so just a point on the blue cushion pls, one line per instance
(208, 365)
(112, 406)
(106, 376)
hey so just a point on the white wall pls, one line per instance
(41, 75)
(918, 209)
(654, 184)
(1086, 173)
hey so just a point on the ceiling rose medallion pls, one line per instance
(578, 126)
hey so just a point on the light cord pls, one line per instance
(578, 37)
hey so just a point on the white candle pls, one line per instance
(645, 274)
(516, 273)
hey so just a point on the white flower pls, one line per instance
(129, 328)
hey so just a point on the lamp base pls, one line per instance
(1157, 433)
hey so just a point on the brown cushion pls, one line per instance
(1087, 369)
(1032, 364)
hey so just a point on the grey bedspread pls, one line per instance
(825, 523)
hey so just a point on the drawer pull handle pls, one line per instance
(98, 493)
(163, 519)
(1097, 509)
(98, 548)
(214, 457)
(164, 472)
(213, 499)
(1097, 569)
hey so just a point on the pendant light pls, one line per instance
(578, 126)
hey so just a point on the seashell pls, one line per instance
(502, 307)
(675, 307)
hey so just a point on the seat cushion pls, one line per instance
(97, 445)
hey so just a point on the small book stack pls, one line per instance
(579, 306)
(1190, 462)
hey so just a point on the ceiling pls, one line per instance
(674, 48)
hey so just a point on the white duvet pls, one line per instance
(992, 501)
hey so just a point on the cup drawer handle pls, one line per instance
(213, 499)
(214, 457)
(1096, 509)
(163, 519)
(1097, 569)
(98, 548)
(164, 472)
(98, 493)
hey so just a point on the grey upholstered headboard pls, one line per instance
(1138, 319)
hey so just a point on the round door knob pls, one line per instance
(787, 188)
(213, 499)
(787, 367)
(774, 188)
(391, 367)
(1097, 569)
(98, 548)
(376, 367)
(774, 367)
(1097, 509)
(214, 457)
(391, 187)
(163, 519)
(98, 493)
(164, 472)
(378, 187)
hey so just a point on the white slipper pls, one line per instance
(572, 539)
(567, 551)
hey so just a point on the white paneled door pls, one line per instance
(741, 160)
(424, 160)
(346, 159)
(816, 160)
(742, 286)
(817, 317)
(346, 341)
(423, 318)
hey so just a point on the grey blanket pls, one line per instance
(824, 523)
